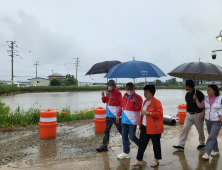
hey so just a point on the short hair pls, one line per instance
(190, 83)
(215, 89)
(130, 84)
(151, 88)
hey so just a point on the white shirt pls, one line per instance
(144, 108)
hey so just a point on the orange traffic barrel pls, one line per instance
(48, 124)
(100, 119)
(182, 113)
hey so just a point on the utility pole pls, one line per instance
(13, 44)
(77, 64)
(36, 68)
(52, 72)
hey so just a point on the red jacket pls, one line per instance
(154, 123)
(115, 100)
(126, 104)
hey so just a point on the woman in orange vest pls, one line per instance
(151, 126)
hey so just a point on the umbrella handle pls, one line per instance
(195, 95)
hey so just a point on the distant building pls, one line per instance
(40, 81)
(57, 76)
(206, 83)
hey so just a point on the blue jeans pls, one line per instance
(128, 131)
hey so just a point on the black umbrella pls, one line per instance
(198, 71)
(102, 67)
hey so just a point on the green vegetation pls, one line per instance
(170, 82)
(62, 117)
(70, 80)
(14, 89)
(10, 119)
(55, 82)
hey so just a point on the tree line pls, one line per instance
(70, 80)
(170, 82)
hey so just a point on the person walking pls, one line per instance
(194, 116)
(112, 99)
(213, 110)
(130, 107)
(151, 126)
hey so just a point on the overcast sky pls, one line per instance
(53, 32)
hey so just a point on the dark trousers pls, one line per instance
(143, 142)
(109, 123)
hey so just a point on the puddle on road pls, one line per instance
(62, 145)
(7, 136)
(82, 131)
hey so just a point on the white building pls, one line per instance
(40, 81)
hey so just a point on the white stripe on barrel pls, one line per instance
(52, 119)
(100, 116)
(181, 110)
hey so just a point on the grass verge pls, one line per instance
(9, 119)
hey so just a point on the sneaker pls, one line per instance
(200, 147)
(205, 156)
(102, 149)
(214, 153)
(123, 155)
(180, 148)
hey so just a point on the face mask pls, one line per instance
(130, 92)
(109, 88)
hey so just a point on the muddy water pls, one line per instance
(77, 101)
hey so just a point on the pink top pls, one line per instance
(211, 101)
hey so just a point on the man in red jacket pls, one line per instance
(112, 99)
(130, 107)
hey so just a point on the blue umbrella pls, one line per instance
(134, 69)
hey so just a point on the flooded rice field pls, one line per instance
(170, 99)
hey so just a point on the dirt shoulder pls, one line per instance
(75, 140)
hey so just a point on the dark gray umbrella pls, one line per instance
(198, 71)
(102, 67)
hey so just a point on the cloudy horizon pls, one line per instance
(53, 33)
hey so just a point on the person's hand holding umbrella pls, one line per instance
(197, 101)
